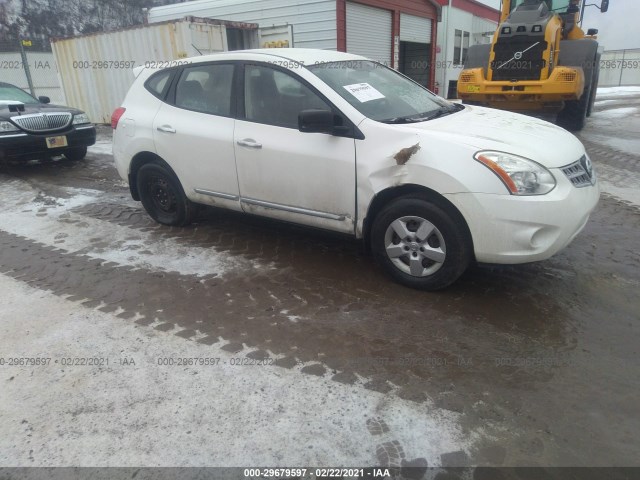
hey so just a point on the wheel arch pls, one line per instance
(140, 159)
(384, 197)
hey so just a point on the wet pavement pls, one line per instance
(538, 362)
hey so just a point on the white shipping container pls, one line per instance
(96, 70)
(313, 21)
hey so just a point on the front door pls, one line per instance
(283, 173)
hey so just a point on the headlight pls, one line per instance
(6, 127)
(520, 175)
(81, 118)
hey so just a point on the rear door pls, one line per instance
(193, 132)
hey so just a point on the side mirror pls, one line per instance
(316, 121)
(604, 6)
(44, 99)
(592, 31)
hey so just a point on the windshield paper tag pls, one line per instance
(363, 92)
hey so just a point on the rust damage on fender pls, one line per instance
(405, 154)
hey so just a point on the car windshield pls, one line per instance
(11, 93)
(381, 93)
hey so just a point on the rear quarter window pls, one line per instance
(159, 82)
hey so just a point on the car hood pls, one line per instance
(490, 129)
(30, 108)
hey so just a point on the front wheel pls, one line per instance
(574, 115)
(163, 197)
(419, 244)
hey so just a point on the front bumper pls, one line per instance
(22, 147)
(510, 229)
(564, 84)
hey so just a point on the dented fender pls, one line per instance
(410, 156)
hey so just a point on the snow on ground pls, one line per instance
(41, 221)
(627, 145)
(621, 183)
(617, 91)
(615, 113)
(602, 103)
(153, 415)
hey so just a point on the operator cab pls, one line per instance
(552, 5)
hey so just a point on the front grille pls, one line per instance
(580, 173)
(518, 58)
(43, 122)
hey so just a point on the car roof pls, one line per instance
(306, 56)
(5, 84)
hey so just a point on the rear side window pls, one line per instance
(206, 88)
(159, 83)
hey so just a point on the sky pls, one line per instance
(617, 28)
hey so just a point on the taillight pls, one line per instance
(115, 117)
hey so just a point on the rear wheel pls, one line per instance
(163, 197)
(75, 154)
(419, 244)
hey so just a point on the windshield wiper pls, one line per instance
(397, 120)
(423, 117)
(442, 111)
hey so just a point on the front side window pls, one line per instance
(206, 89)
(276, 98)
(379, 92)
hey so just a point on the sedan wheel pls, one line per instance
(421, 244)
(75, 154)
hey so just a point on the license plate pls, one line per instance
(57, 142)
(473, 88)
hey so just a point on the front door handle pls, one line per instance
(249, 143)
(166, 129)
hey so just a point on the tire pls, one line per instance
(430, 263)
(594, 86)
(75, 154)
(574, 115)
(163, 197)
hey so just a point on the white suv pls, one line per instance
(336, 141)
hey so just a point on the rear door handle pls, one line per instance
(166, 129)
(249, 143)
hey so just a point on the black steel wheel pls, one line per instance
(163, 197)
